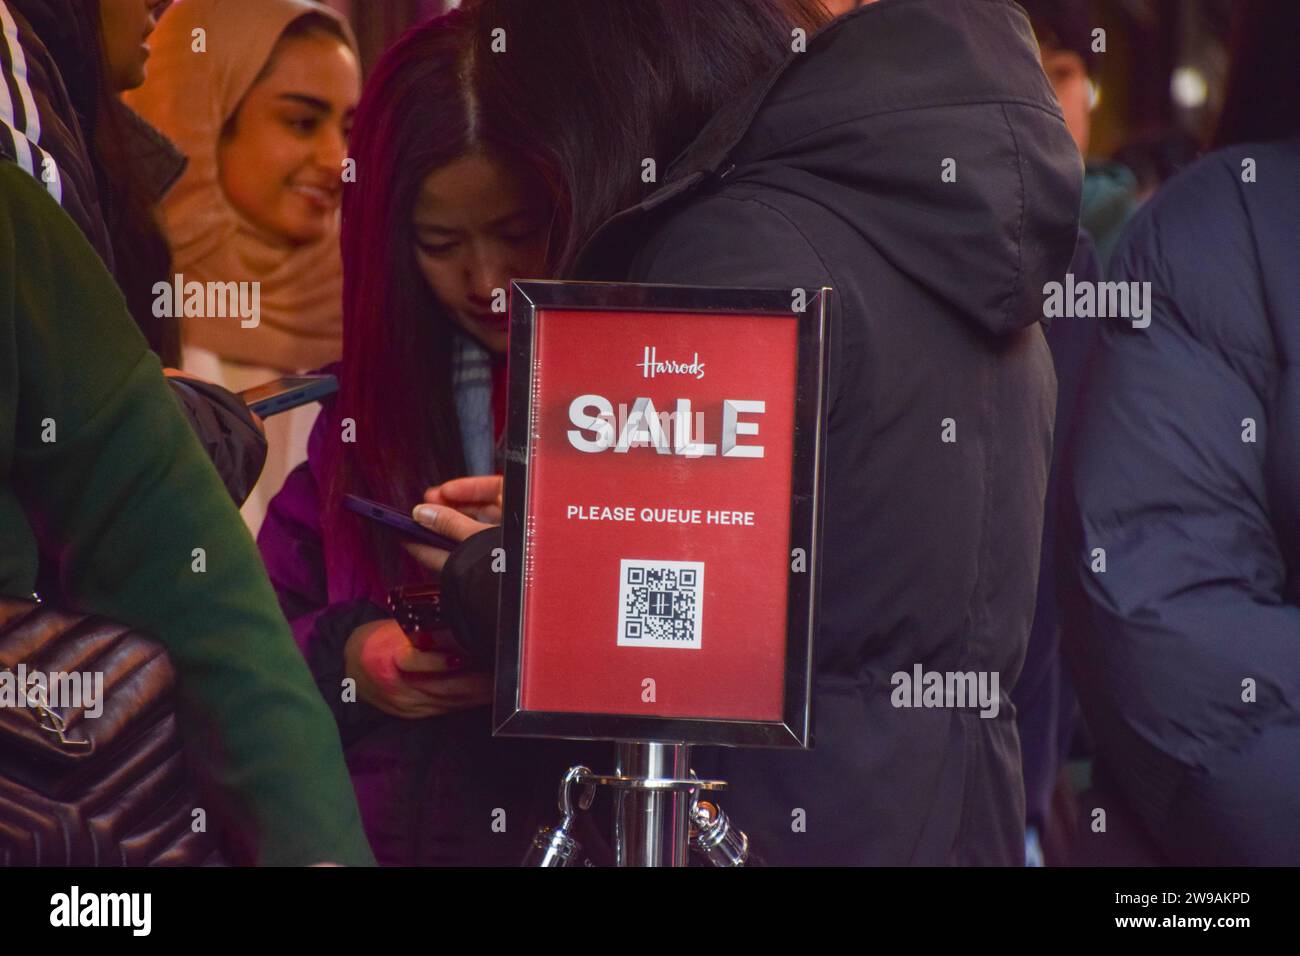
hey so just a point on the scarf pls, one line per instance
(189, 96)
(479, 385)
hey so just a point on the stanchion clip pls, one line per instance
(555, 846)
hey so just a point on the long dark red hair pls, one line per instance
(395, 390)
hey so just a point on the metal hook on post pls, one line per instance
(555, 846)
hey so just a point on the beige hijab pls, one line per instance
(190, 96)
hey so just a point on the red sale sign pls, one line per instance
(653, 490)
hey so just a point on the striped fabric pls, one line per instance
(471, 382)
(20, 121)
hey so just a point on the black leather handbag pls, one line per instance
(104, 790)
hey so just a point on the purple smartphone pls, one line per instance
(397, 521)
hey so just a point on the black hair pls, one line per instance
(141, 255)
(1063, 25)
(590, 89)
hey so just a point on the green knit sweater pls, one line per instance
(123, 495)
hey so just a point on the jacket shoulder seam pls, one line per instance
(1020, 220)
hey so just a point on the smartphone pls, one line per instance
(286, 393)
(398, 521)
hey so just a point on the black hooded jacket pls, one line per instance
(49, 65)
(833, 172)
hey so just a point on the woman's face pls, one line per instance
(479, 224)
(124, 25)
(281, 166)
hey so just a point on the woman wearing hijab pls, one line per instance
(259, 96)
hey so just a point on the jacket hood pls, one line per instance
(929, 126)
(864, 122)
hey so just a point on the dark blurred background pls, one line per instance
(1165, 68)
(1157, 88)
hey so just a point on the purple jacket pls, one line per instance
(431, 791)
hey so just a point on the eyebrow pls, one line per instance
(314, 102)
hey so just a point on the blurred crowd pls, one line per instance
(1115, 531)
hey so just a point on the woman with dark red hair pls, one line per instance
(438, 218)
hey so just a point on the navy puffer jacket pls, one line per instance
(1186, 473)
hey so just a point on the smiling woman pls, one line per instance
(281, 153)
(259, 97)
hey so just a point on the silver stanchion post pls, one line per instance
(651, 825)
(659, 816)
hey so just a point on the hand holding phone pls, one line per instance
(397, 520)
(478, 496)
(397, 678)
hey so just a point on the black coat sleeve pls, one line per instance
(325, 659)
(227, 432)
(471, 593)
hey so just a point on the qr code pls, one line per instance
(660, 603)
